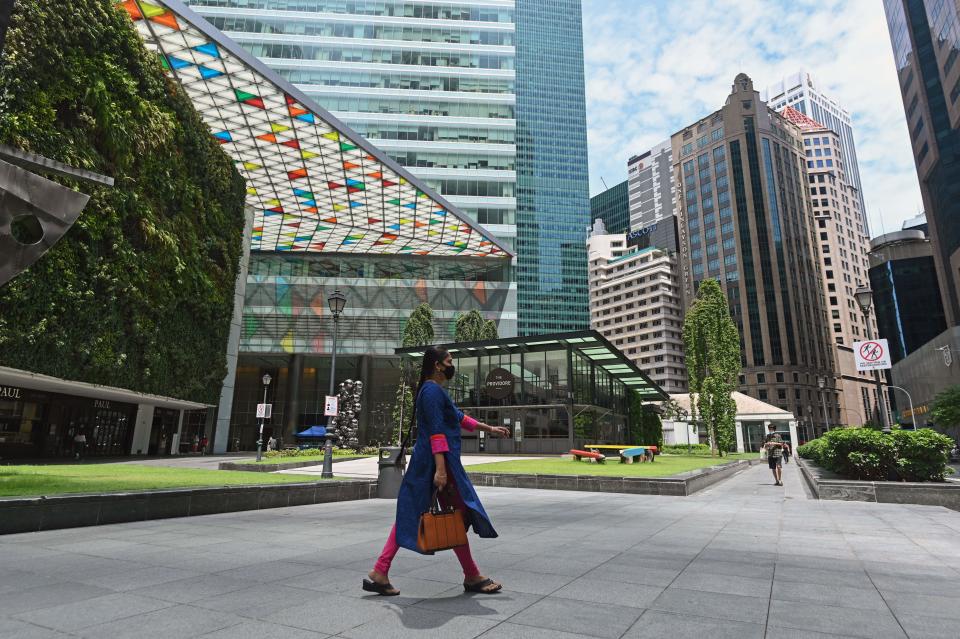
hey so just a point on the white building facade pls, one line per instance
(635, 303)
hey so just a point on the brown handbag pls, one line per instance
(441, 528)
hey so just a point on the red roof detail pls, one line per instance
(803, 121)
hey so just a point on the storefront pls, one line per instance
(554, 392)
(45, 417)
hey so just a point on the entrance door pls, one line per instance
(753, 436)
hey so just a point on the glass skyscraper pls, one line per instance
(553, 193)
(436, 86)
(613, 207)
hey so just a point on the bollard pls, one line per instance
(391, 463)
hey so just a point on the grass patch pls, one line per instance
(665, 466)
(31, 481)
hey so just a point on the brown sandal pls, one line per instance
(384, 590)
(481, 587)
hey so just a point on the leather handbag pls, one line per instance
(441, 528)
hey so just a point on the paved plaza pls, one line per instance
(742, 559)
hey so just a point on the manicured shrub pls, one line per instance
(922, 455)
(814, 450)
(859, 453)
(681, 449)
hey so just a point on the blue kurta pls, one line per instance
(436, 414)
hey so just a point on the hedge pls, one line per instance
(867, 454)
(139, 293)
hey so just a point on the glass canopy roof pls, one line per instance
(314, 184)
(591, 344)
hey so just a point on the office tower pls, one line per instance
(635, 304)
(925, 40)
(482, 100)
(745, 220)
(653, 198)
(553, 193)
(800, 91)
(613, 207)
(841, 234)
(906, 293)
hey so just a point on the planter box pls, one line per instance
(681, 485)
(825, 485)
(31, 514)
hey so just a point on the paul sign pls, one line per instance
(499, 384)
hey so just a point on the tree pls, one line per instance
(946, 408)
(418, 331)
(712, 350)
(471, 327)
(645, 428)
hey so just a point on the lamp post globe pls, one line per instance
(864, 297)
(266, 379)
(337, 302)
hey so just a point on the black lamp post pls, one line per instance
(864, 297)
(266, 382)
(336, 301)
(822, 383)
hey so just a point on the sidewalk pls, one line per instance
(741, 560)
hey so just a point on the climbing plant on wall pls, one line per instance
(139, 293)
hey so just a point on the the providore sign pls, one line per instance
(499, 384)
(10, 392)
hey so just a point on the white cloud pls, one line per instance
(654, 66)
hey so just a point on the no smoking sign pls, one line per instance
(871, 355)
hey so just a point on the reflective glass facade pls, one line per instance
(553, 196)
(926, 46)
(613, 207)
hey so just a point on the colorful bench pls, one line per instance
(586, 454)
(635, 454)
(648, 451)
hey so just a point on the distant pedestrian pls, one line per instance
(271, 443)
(79, 444)
(203, 445)
(775, 446)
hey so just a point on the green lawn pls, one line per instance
(24, 481)
(664, 466)
(297, 458)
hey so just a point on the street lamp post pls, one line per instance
(913, 417)
(864, 297)
(337, 301)
(266, 382)
(822, 383)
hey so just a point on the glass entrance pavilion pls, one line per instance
(557, 391)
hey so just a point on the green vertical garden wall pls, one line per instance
(139, 293)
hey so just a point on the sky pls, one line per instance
(655, 66)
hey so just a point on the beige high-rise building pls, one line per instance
(844, 245)
(745, 220)
(635, 303)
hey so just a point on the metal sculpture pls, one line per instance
(347, 422)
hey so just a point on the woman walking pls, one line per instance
(435, 465)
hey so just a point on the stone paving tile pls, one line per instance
(610, 592)
(919, 627)
(943, 605)
(515, 631)
(334, 614)
(178, 622)
(191, 589)
(13, 629)
(262, 630)
(724, 583)
(655, 624)
(712, 604)
(864, 598)
(597, 620)
(870, 624)
(418, 623)
(17, 601)
(90, 612)
(497, 607)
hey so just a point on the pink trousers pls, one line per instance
(390, 549)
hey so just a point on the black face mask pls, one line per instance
(449, 371)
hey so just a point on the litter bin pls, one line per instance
(391, 463)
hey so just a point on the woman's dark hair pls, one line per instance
(431, 356)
